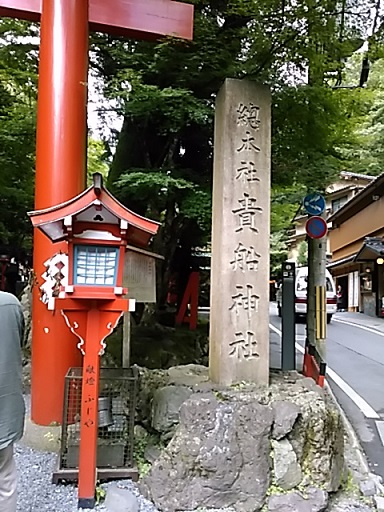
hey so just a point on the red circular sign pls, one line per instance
(316, 227)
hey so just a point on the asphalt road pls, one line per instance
(355, 365)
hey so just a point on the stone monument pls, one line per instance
(239, 317)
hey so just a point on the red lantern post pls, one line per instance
(90, 295)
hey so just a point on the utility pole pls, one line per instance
(311, 303)
(316, 295)
(316, 228)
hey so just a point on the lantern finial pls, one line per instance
(97, 183)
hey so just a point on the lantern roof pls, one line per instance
(94, 210)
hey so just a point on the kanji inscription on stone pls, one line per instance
(244, 346)
(245, 300)
(247, 172)
(245, 258)
(248, 116)
(246, 213)
(248, 143)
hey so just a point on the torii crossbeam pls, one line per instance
(144, 19)
(61, 145)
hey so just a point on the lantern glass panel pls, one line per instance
(95, 265)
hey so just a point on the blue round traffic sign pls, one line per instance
(314, 204)
(316, 227)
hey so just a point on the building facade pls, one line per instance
(356, 242)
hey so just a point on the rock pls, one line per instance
(379, 502)
(377, 478)
(286, 413)
(27, 368)
(378, 483)
(166, 407)
(349, 505)
(188, 375)
(287, 471)
(316, 500)
(367, 487)
(311, 385)
(140, 432)
(218, 457)
(318, 440)
(26, 302)
(149, 382)
(120, 500)
(152, 453)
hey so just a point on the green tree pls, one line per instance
(18, 74)
(97, 159)
(302, 258)
(367, 154)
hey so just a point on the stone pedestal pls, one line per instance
(239, 317)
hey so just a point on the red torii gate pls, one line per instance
(61, 144)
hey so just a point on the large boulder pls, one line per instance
(317, 435)
(318, 440)
(232, 443)
(219, 457)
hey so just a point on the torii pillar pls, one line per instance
(62, 141)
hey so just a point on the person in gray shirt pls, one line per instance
(12, 410)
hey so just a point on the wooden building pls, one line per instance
(356, 242)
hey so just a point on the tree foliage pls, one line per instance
(366, 155)
(18, 87)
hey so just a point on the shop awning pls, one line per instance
(372, 248)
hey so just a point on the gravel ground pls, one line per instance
(36, 493)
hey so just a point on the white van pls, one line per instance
(301, 294)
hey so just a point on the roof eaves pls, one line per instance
(379, 180)
(358, 175)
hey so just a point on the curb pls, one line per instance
(379, 330)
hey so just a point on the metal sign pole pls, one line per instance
(288, 350)
(316, 229)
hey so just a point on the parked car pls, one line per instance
(301, 294)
